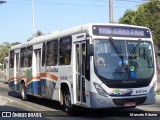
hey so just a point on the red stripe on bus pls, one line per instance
(53, 77)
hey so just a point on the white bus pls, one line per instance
(5, 68)
(92, 66)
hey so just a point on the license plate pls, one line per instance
(130, 104)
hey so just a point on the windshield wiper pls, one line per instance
(135, 48)
(119, 52)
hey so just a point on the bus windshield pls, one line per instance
(123, 59)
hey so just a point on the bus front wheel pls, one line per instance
(23, 92)
(67, 102)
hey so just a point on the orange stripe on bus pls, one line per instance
(14, 78)
(35, 77)
(28, 80)
(53, 77)
(21, 78)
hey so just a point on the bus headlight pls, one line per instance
(153, 88)
(100, 90)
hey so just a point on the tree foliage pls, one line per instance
(4, 49)
(147, 14)
(128, 17)
(37, 34)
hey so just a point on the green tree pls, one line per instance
(128, 17)
(4, 50)
(38, 33)
(147, 14)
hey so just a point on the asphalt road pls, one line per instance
(11, 102)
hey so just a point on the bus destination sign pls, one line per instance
(121, 31)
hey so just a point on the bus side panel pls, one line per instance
(65, 75)
(29, 89)
(48, 83)
(33, 88)
(12, 82)
(31, 81)
(47, 88)
(11, 85)
(6, 68)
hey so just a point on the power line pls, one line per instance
(64, 4)
(42, 2)
(124, 1)
(57, 3)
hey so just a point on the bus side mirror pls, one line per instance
(90, 50)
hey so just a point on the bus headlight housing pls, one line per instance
(153, 88)
(100, 90)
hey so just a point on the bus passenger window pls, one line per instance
(66, 58)
(44, 54)
(29, 56)
(65, 51)
(52, 52)
(83, 58)
(11, 59)
(23, 57)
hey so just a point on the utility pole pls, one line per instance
(111, 11)
(1, 2)
(33, 29)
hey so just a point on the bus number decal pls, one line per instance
(51, 70)
(63, 77)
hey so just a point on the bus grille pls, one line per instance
(127, 85)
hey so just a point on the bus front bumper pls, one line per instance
(98, 101)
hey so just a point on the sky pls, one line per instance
(55, 15)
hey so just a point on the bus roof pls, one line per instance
(73, 30)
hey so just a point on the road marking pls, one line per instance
(4, 100)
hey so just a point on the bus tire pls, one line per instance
(68, 107)
(23, 92)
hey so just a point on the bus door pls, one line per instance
(38, 71)
(80, 72)
(17, 64)
(17, 68)
(6, 69)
